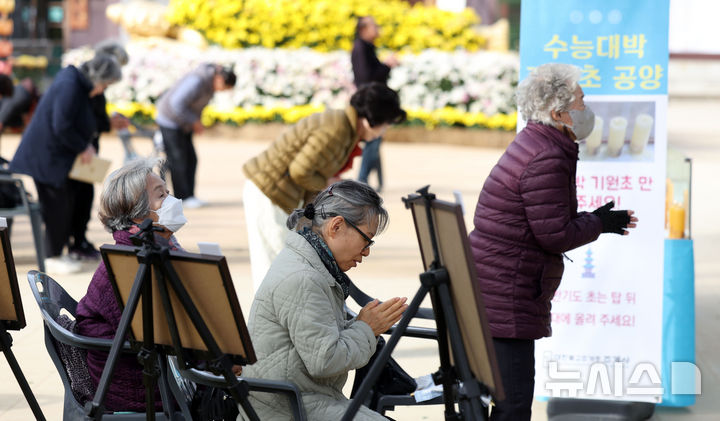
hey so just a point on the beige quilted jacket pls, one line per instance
(300, 162)
(300, 334)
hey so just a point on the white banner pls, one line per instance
(607, 313)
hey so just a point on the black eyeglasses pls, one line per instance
(370, 242)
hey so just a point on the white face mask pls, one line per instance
(170, 215)
(583, 122)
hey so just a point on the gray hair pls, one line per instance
(550, 87)
(357, 202)
(113, 48)
(125, 196)
(103, 68)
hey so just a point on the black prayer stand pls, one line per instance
(457, 380)
(5, 344)
(154, 257)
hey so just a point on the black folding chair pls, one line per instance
(54, 301)
(258, 385)
(25, 207)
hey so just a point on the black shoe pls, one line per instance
(84, 251)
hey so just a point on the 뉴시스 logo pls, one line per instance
(604, 380)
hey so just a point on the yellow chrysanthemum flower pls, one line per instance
(325, 25)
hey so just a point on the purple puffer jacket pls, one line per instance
(98, 316)
(526, 217)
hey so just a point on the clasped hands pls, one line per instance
(381, 316)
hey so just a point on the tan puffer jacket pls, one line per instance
(299, 164)
(300, 334)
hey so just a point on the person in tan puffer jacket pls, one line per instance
(294, 168)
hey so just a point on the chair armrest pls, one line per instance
(416, 332)
(258, 385)
(362, 299)
(410, 331)
(79, 341)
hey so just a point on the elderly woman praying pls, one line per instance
(298, 323)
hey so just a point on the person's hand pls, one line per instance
(381, 316)
(392, 61)
(87, 155)
(198, 127)
(616, 222)
(237, 370)
(119, 121)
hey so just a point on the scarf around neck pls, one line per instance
(325, 255)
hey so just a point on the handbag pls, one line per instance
(393, 380)
(213, 404)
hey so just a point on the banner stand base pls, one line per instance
(569, 409)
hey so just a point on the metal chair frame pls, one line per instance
(32, 210)
(52, 299)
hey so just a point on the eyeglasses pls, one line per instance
(370, 242)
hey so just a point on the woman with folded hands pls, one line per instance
(298, 322)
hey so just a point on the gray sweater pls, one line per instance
(181, 106)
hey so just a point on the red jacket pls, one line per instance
(526, 217)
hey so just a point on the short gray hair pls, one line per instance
(113, 48)
(357, 202)
(103, 68)
(550, 87)
(125, 196)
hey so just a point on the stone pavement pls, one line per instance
(392, 268)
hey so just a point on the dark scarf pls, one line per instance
(327, 258)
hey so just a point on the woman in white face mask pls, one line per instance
(132, 194)
(526, 217)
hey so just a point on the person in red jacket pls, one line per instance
(526, 217)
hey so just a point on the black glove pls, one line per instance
(612, 221)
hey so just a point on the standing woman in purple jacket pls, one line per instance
(526, 217)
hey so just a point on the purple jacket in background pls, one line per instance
(98, 316)
(526, 217)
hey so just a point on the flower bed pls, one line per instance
(325, 25)
(436, 88)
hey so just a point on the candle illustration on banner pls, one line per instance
(595, 138)
(616, 136)
(641, 133)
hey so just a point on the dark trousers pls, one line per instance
(181, 159)
(84, 194)
(371, 161)
(58, 206)
(516, 360)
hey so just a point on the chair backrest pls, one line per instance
(50, 296)
(52, 299)
(13, 196)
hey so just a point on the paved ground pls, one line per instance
(394, 263)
